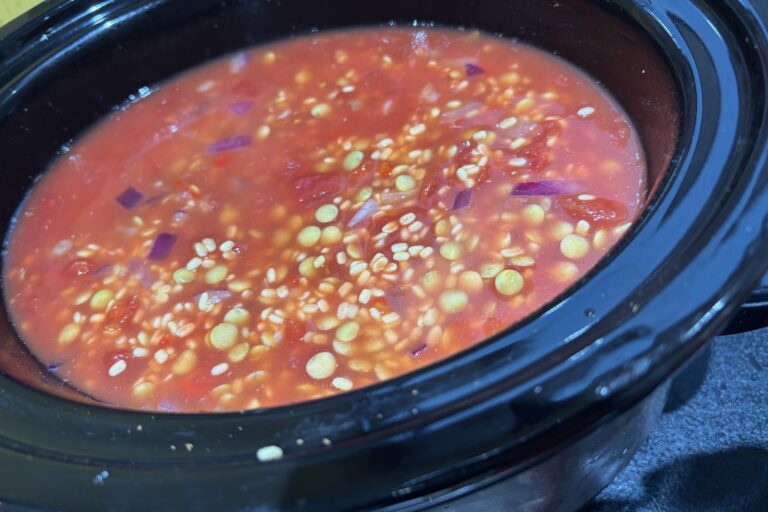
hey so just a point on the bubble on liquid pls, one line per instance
(603, 391)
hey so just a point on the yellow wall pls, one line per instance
(9, 9)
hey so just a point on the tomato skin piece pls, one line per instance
(120, 314)
(315, 189)
(80, 267)
(598, 211)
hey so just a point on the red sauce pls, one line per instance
(318, 215)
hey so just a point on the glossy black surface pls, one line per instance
(511, 404)
(709, 450)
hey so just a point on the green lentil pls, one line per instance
(307, 268)
(490, 270)
(347, 331)
(450, 251)
(321, 365)
(237, 316)
(453, 301)
(470, 281)
(364, 194)
(331, 235)
(101, 299)
(223, 336)
(238, 352)
(509, 282)
(185, 363)
(405, 183)
(69, 333)
(320, 110)
(431, 280)
(217, 274)
(326, 213)
(574, 247)
(353, 160)
(309, 236)
(183, 276)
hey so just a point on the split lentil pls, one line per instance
(300, 225)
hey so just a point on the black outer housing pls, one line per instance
(543, 414)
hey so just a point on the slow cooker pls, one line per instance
(537, 418)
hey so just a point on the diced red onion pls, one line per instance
(54, 366)
(463, 199)
(215, 296)
(546, 188)
(241, 107)
(238, 141)
(473, 69)
(162, 246)
(237, 63)
(105, 268)
(129, 198)
(369, 208)
(418, 349)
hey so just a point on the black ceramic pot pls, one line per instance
(537, 418)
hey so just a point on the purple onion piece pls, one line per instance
(369, 208)
(235, 142)
(214, 296)
(52, 367)
(473, 69)
(162, 246)
(241, 108)
(105, 268)
(237, 63)
(129, 198)
(418, 349)
(463, 199)
(546, 188)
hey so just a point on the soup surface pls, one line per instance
(318, 215)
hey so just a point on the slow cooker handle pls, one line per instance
(753, 314)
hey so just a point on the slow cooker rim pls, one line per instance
(49, 10)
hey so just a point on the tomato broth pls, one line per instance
(317, 215)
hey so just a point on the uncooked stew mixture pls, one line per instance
(318, 215)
